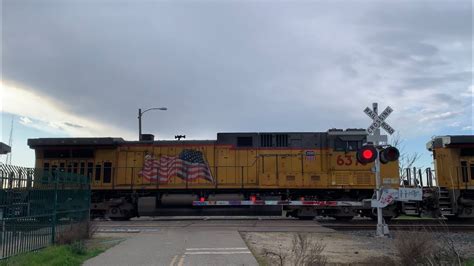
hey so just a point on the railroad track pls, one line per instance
(405, 227)
(152, 224)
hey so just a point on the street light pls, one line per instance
(140, 113)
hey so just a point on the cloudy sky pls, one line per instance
(83, 68)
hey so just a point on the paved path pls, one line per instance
(179, 247)
(192, 242)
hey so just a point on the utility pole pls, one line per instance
(8, 160)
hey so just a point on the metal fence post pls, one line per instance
(53, 229)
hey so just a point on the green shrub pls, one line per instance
(78, 248)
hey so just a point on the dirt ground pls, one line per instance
(354, 248)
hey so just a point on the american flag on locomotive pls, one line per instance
(188, 165)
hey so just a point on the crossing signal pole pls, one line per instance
(370, 152)
(382, 227)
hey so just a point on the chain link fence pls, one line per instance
(38, 207)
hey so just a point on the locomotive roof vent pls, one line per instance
(355, 129)
(148, 137)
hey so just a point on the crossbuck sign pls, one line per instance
(379, 120)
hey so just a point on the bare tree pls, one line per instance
(406, 160)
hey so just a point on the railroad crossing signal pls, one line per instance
(366, 154)
(378, 120)
(389, 154)
(369, 153)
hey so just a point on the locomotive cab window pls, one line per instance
(341, 145)
(352, 145)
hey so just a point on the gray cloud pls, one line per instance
(73, 125)
(439, 81)
(238, 66)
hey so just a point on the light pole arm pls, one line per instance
(149, 109)
(140, 114)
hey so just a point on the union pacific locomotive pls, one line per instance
(302, 174)
(453, 158)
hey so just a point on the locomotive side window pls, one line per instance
(472, 171)
(46, 167)
(98, 169)
(244, 142)
(90, 169)
(74, 168)
(107, 172)
(82, 169)
(465, 178)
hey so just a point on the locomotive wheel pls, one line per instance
(118, 214)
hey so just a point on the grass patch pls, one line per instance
(63, 255)
(470, 262)
(53, 255)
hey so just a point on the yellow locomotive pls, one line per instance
(453, 158)
(317, 171)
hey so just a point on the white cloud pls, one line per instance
(25, 121)
(48, 115)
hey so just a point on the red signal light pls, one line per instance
(202, 199)
(366, 154)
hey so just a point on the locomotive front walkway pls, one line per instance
(194, 242)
